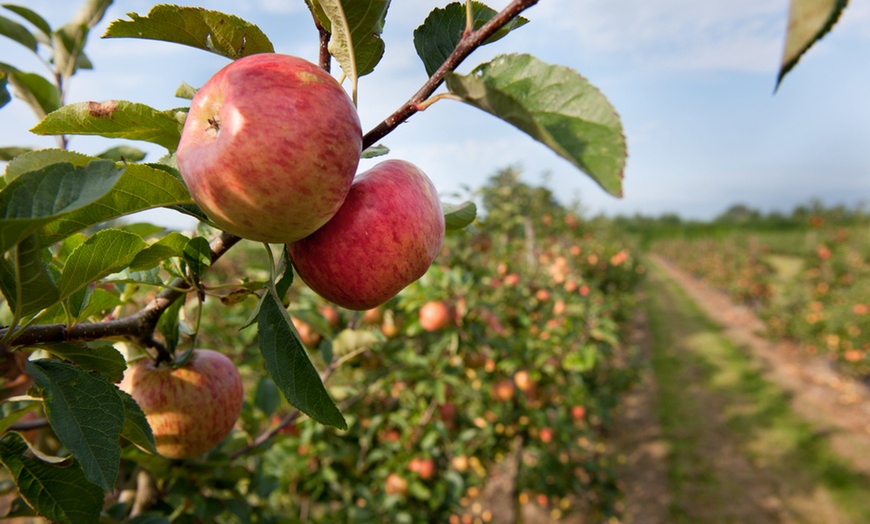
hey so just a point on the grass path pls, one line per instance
(736, 450)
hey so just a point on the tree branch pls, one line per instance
(139, 325)
(469, 43)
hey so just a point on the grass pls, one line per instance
(738, 452)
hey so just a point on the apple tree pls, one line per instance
(89, 298)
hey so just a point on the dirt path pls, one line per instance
(712, 453)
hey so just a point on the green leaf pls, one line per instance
(19, 33)
(41, 95)
(355, 33)
(31, 16)
(266, 396)
(375, 151)
(99, 303)
(68, 43)
(169, 325)
(5, 97)
(185, 91)
(100, 356)
(442, 31)
(107, 252)
(42, 158)
(58, 492)
(38, 197)
(90, 13)
(213, 31)
(808, 22)
(459, 216)
(288, 364)
(172, 245)
(115, 119)
(555, 106)
(197, 254)
(10, 153)
(136, 428)
(25, 280)
(86, 413)
(123, 154)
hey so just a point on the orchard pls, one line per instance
(327, 345)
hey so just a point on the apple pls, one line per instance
(396, 485)
(424, 467)
(309, 336)
(434, 315)
(523, 380)
(578, 412)
(332, 316)
(502, 390)
(270, 147)
(385, 236)
(546, 435)
(190, 408)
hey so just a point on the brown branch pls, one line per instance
(139, 325)
(324, 58)
(469, 43)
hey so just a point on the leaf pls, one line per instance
(213, 31)
(355, 33)
(42, 158)
(9, 153)
(86, 413)
(31, 16)
(169, 325)
(442, 31)
(123, 154)
(288, 364)
(197, 254)
(459, 216)
(172, 245)
(17, 32)
(115, 119)
(5, 97)
(58, 492)
(25, 280)
(808, 22)
(13, 417)
(266, 396)
(375, 151)
(41, 95)
(555, 106)
(38, 197)
(100, 356)
(107, 252)
(136, 428)
(185, 91)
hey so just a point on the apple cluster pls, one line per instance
(270, 150)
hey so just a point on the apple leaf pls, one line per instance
(86, 413)
(41, 95)
(100, 356)
(808, 22)
(136, 428)
(172, 245)
(59, 492)
(11, 152)
(213, 31)
(266, 396)
(38, 197)
(107, 252)
(442, 31)
(42, 158)
(289, 366)
(459, 216)
(5, 97)
(123, 154)
(375, 151)
(555, 106)
(115, 119)
(17, 32)
(25, 280)
(197, 254)
(31, 16)
(99, 304)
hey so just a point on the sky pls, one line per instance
(693, 83)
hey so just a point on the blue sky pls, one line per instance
(692, 81)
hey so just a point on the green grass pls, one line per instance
(734, 439)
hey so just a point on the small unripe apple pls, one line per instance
(270, 147)
(434, 315)
(191, 408)
(385, 236)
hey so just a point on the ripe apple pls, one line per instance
(396, 485)
(191, 408)
(523, 380)
(424, 467)
(310, 337)
(270, 147)
(502, 390)
(385, 236)
(434, 315)
(332, 316)
(546, 435)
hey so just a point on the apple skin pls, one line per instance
(434, 315)
(270, 147)
(385, 236)
(190, 409)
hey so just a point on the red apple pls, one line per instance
(307, 333)
(270, 147)
(424, 467)
(523, 380)
(434, 315)
(502, 390)
(385, 236)
(396, 485)
(191, 408)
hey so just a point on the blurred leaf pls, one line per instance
(555, 106)
(99, 303)
(68, 42)
(808, 22)
(287, 362)
(25, 280)
(213, 31)
(107, 252)
(123, 153)
(172, 245)
(101, 357)
(136, 428)
(17, 32)
(86, 413)
(41, 95)
(442, 31)
(349, 340)
(58, 492)
(9, 153)
(266, 396)
(31, 16)
(186, 91)
(114, 119)
(459, 216)
(375, 151)
(169, 325)
(13, 417)
(90, 13)
(5, 97)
